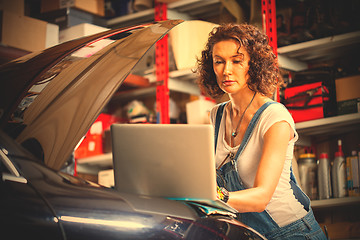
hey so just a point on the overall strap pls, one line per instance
(219, 115)
(250, 129)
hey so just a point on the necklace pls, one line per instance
(234, 133)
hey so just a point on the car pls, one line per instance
(48, 101)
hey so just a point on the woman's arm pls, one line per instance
(271, 164)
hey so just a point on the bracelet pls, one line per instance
(223, 194)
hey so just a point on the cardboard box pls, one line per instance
(198, 111)
(27, 33)
(106, 178)
(348, 94)
(14, 6)
(347, 88)
(68, 17)
(188, 39)
(96, 7)
(78, 31)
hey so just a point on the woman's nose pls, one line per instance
(227, 69)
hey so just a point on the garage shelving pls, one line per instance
(292, 57)
(181, 81)
(326, 126)
(295, 57)
(342, 123)
(184, 9)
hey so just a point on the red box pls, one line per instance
(306, 102)
(311, 94)
(93, 141)
(90, 146)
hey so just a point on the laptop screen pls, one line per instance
(164, 160)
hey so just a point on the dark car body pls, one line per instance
(40, 203)
(48, 101)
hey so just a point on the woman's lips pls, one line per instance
(227, 82)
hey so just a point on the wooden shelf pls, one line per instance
(331, 125)
(179, 81)
(296, 57)
(335, 202)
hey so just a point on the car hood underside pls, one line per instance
(55, 95)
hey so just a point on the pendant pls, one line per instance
(233, 134)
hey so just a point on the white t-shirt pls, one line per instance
(283, 207)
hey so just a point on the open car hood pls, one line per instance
(55, 95)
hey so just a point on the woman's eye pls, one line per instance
(218, 62)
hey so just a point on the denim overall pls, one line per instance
(228, 177)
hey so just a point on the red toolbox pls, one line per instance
(311, 95)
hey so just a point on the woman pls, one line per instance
(254, 135)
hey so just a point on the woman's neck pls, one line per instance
(241, 100)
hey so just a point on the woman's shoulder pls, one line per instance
(274, 113)
(277, 105)
(277, 111)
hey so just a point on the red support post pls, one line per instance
(268, 9)
(162, 69)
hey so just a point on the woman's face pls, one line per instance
(231, 65)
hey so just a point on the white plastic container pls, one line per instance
(339, 174)
(324, 179)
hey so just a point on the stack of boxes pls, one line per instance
(19, 30)
(68, 13)
(32, 35)
(23, 32)
(95, 7)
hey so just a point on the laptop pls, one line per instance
(164, 160)
(173, 161)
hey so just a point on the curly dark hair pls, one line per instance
(263, 66)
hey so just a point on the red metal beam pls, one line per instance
(162, 69)
(268, 9)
